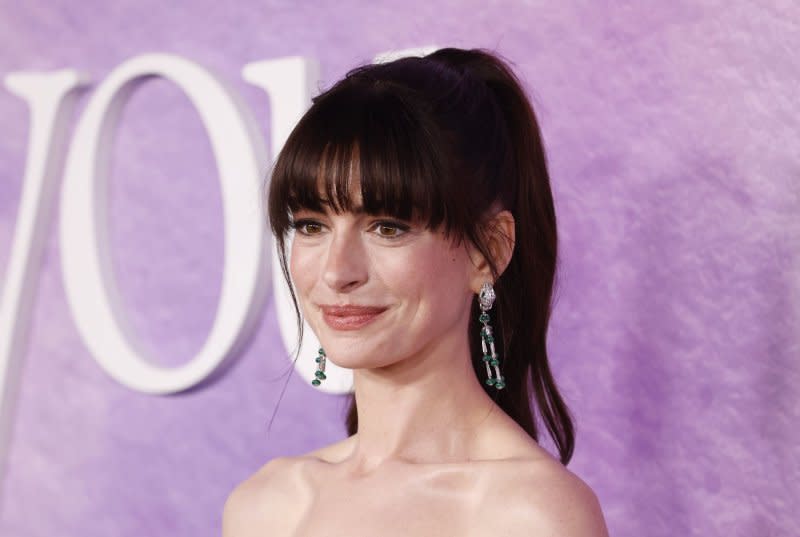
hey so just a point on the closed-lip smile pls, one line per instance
(350, 316)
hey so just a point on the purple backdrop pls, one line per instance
(672, 132)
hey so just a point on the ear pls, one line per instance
(499, 239)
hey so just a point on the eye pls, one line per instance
(307, 227)
(389, 229)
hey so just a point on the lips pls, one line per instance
(349, 316)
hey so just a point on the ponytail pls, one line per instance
(525, 289)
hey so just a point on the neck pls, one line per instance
(422, 409)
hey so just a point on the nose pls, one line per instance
(344, 266)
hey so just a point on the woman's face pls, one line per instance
(377, 290)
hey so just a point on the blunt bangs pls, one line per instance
(362, 132)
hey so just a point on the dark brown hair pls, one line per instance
(440, 139)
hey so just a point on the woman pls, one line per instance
(423, 255)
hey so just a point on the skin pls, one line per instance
(434, 455)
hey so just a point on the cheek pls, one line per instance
(433, 275)
(302, 268)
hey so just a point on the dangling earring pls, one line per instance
(320, 373)
(486, 300)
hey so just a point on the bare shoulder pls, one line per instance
(272, 500)
(570, 507)
(543, 497)
(260, 504)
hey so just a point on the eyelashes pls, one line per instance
(395, 229)
(387, 229)
(303, 226)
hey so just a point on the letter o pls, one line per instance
(88, 280)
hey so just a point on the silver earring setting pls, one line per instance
(486, 299)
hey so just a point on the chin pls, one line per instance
(349, 358)
(354, 354)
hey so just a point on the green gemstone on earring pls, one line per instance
(493, 362)
(500, 384)
(318, 359)
(484, 318)
(322, 352)
(489, 339)
(486, 358)
(320, 375)
(490, 382)
(316, 382)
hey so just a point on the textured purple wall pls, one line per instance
(672, 131)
